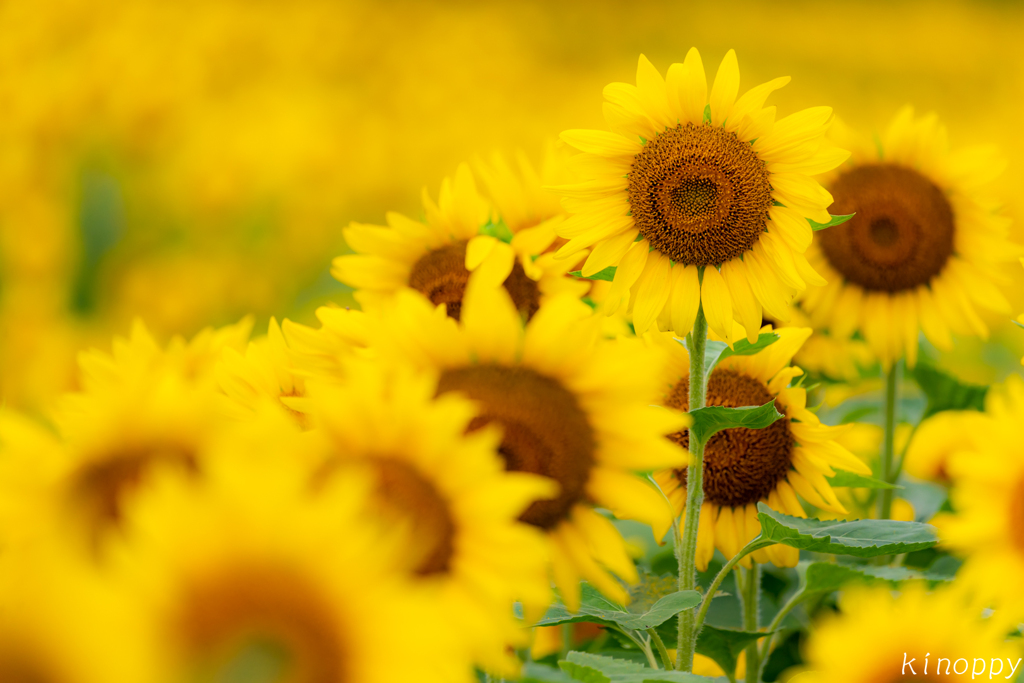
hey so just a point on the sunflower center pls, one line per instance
(419, 504)
(699, 194)
(741, 466)
(545, 430)
(264, 614)
(902, 235)
(99, 487)
(441, 276)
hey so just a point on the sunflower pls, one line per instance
(699, 199)
(838, 359)
(448, 489)
(266, 373)
(917, 635)
(988, 496)
(459, 237)
(250, 569)
(937, 439)
(743, 467)
(574, 407)
(924, 249)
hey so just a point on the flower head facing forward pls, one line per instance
(698, 198)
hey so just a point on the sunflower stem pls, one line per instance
(666, 659)
(888, 472)
(751, 592)
(686, 546)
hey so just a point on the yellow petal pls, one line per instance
(723, 92)
(609, 252)
(685, 298)
(717, 304)
(687, 88)
(652, 292)
(628, 497)
(652, 92)
(750, 102)
(478, 249)
(601, 143)
(491, 321)
(744, 305)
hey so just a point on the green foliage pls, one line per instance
(534, 672)
(836, 220)
(498, 230)
(724, 645)
(590, 668)
(707, 113)
(712, 419)
(926, 497)
(863, 481)
(859, 538)
(824, 577)
(716, 351)
(606, 274)
(945, 392)
(595, 608)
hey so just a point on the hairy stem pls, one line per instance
(773, 627)
(686, 548)
(888, 472)
(666, 659)
(751, 593)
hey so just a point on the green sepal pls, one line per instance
(835, 220)
(712, 419)
(859, 538)
(707, 113)
(606, 274)
(497, 230)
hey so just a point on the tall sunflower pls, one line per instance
(987, 474)
(448, 490)
(573, 406)
(461, 235)
(250, 569)
(698, 198)
(743, 467)
(925, 248)
(917, 635)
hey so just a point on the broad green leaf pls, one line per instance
(836, 220)
(608, 274)
(712, 419)
(534, 672)
(824, 577)
(716, 351)
(945, 392)
(926, 497)
(591, 668)
(597, 609)
(863, 481)
(860, 538)
(724, 645)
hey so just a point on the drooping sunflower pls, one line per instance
(248, 569)
(690, 183)
(460, 237)
(925, 247)
(573, 406)
(448, 489)
(918, 635)
(743, 467)
(988, 496)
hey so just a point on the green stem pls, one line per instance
(666, 659)
(751, 593)
(888, 473)
(755, 544)
(773, 627)
(687, 544)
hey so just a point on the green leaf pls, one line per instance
(945, 392)
(591, 668)
(534, 672)
(724, 645)
(607, 274)
(716, 351)
(713, 419)
(825, 577)
(707, 113)
(926, 497)
(836, 220)
(860, 538)
(598, 609)
(863, 481)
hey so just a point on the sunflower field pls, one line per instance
(395, 340)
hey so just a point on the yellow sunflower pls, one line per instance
(573, 406)
(988, 496)
(436, 258)
(698, 198)
(915, 636)
(250, 571)
(743, 467)
(449, 490)
(924, 249)
(937, 439)
(823, 354)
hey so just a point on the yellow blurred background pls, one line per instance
(191, 162)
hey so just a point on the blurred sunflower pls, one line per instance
(875, 633)
(436, 258)
(988, 496)
(699, 199)
(251, 570)
(573, 406)
(743, 467)
(448, 490)
(924, 248)
(939, 438)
